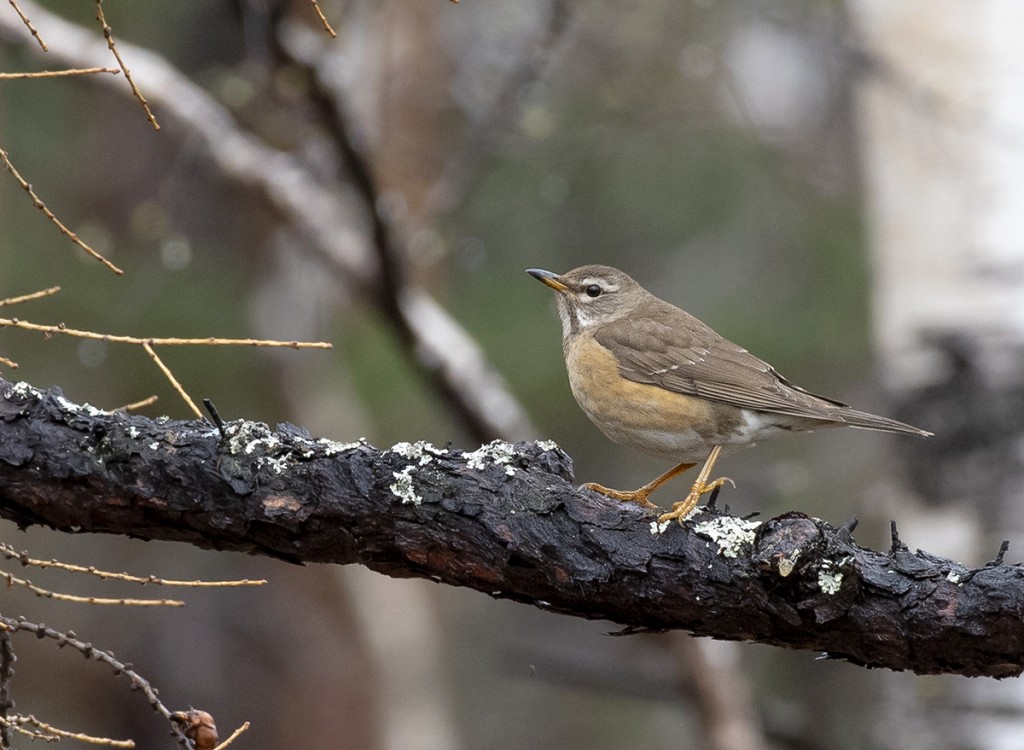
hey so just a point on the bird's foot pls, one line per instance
(629, 496)
(639, 496)
(681, 510)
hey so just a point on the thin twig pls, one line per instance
(174, 381)
(57, 596)
(11, 554)
(32, 734)
(148, 344)
(108, 35)
(138, 404)
(31, 28)
(233, 737)
(28, 297)
(9, 363)
(50, 215)
(115, 339)
(91, 652)
(59, 73)
(49, 733)
(323, 19)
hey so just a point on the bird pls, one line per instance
(652, 377)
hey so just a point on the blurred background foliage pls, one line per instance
(707, 148)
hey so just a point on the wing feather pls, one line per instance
(686, 356)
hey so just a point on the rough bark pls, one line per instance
(505, 520)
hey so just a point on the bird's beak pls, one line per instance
(553, 280)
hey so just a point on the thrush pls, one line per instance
(654, 378)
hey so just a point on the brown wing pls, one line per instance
(675, 351)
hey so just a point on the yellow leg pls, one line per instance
(640, 495)
(702, 486)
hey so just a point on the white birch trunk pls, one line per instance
(941, 124)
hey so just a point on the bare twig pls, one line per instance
(22, 557)
(138, 404)
(234, 736)
(148, 343)
(46, 594)
(173, 380)
(108, 35)
(8, 726)
(28, 297)
(50, 215)
(49, 733)
(138, 682)
(139, 341)
(13, 724)
(323, 19)
(58, 73)
(24, 298)
(25, 20)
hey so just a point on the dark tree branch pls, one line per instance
(507, 521)
(391, 294)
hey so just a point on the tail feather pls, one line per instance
(865, 421)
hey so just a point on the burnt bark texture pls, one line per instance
(508, 521)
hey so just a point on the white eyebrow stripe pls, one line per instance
(603, 283)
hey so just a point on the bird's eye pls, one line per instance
(593, 290)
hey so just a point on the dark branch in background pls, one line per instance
(391, 287)
(393, 294)
(506, 521)
(442, 349)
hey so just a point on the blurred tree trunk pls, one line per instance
(941, 123)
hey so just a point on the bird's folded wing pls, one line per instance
(694, 360)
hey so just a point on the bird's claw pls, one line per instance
(682, 510)
(628, 496)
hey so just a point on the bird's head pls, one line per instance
(590, 296)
